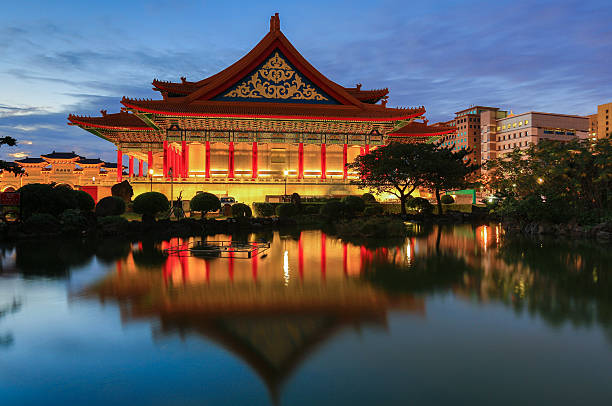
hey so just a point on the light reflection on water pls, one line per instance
(314, 320)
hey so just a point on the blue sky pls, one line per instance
(60, 57)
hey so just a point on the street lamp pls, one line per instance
(286, 172)
(151, 177)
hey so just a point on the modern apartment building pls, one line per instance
(467, 134)
(501, 133)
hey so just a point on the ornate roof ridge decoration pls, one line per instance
(276, 79)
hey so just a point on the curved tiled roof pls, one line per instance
(184, 88)
(207, 108)
(118, 121)
(86, 161)
(367, 96)
(415, 129)
(61, 155)
(30, 161)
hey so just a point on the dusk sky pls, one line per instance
(61, 57)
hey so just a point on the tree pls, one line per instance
(46, 198)
(149, 204)
(205, 202)
(10, 166)
(555, 181)
(448, 170)
(395, 168)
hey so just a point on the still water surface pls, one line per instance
(457, 315)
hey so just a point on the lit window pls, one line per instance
(514, 125)
(498, 128)
(503, 127)
(520, 123)
(526, 122)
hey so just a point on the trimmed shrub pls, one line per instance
(353, 204)
(368, 198)
(84, 201)
(286, 210)
(420, 205)
(149, 204)
(73, 220)
(205, 202)
(46, 198)
(373, 210)
(110, 206)
(333, 209)
(447, 199)
(41, 223)
(264, 209)
(240, 210)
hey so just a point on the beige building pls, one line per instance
(501, 135)
(601, 123)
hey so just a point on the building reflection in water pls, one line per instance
(273, 311)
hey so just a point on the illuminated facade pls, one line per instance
(502, 135)
(270, 118)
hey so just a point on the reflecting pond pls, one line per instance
(450, 315)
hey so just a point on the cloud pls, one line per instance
(18, 111)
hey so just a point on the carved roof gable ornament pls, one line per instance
(276, 80)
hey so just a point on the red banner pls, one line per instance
(9, 199)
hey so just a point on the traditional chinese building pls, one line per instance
(268, 124)
(64, 168)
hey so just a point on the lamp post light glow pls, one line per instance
(151, 177)
(540, 181)
(286, 172)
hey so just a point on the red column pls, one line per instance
(130, 166)
(140, 162)
(179, 164)
(367, 149)
(323, 162)
(301, 160)
(184, 158)
(230, 160)
(119, 166)
(170, 159)
(150, 161)
(165, 158)
(207, 162)
(344, 161)
(254, 161)
(361, 151)
(187, 160)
